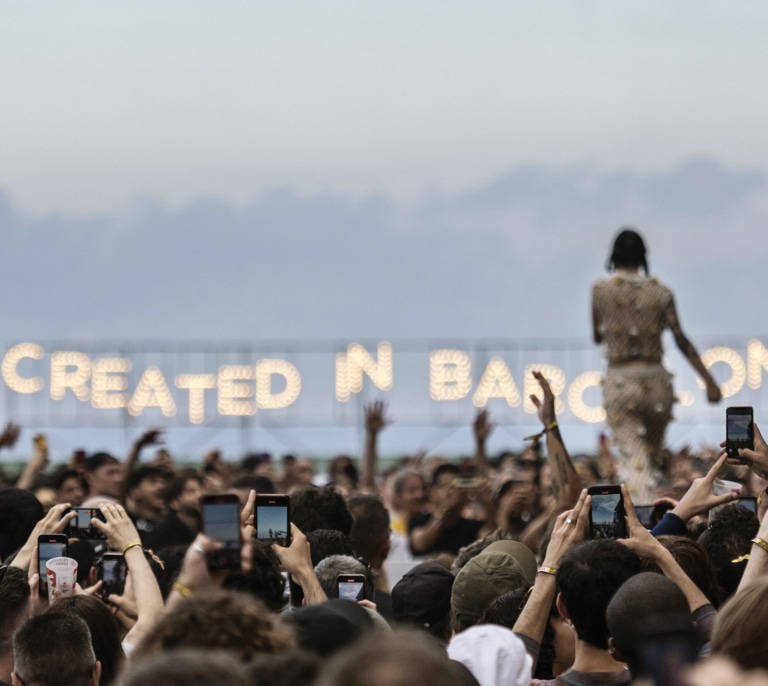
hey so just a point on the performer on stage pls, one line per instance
(630, 310)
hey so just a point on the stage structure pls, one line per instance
(324, 384)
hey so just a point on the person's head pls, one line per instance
(146, 488)
(19, 512)
(397, 659)
(14, 611)
(503, 566)
(326, 628)
(628, 251)
(739, 631)
(646, 606)
(184, 493)
(727, 540)
(422, 600)
(694, 561)
(444, 484)
(370, 528)
(103, 628)
(218, 620)
(320, 508)
(556, 652)
(292, 668)
(186, 667)
(54, 650)
(343, 474)
(588, 576)
(512, 500)
(328, 569)
(264, 581)
(242, 486)
(410, 491)
(493, 654)
(69, 487)
(104, 475)
(322, 543)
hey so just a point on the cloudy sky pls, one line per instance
(375, 170)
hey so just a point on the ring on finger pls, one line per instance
(570, 520)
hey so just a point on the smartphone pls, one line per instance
(607, 517)
(221, 522)
(351, 586)
(48, 547)
(750, 502)
(650, 515)
(81, 527)
(739, 430)
(114, 570)
(272, 518)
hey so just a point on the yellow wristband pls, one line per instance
(179, 587)
(552, 425)
(761, 543)
(131, 545)
(547, 570)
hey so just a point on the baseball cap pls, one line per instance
(423, 595)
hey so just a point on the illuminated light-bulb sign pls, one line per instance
(197, 386)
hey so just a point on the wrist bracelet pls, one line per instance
(761, 543)
(547, 570)
(185, 590)
(131, 545)
(552, 425)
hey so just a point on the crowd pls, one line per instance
(476, 572)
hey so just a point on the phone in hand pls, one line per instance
(81, 526)
(272, 518)
(48, 547)
(739, 430)
(607, 516)
(351, 586)
(221, 522)
(114, 571)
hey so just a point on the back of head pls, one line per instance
(501, 567)
(695, 562)
(370, 526)
(19, 512)
(264, 581)
(320, 508)
(588, 576)
(53, 650)
(331, 567)
(647, 604)
(218, 620)
(186, 668)
(292, 668)
(726, 541)
(739, 631)
(396, 659)
(628, 251)
(322, 543)
(493, 654)
(422, 598)
(326, 628)
(102, 625)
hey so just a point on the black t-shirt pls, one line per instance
(450, 539)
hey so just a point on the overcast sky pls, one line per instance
(338, 170)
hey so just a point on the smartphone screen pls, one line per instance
(739, 429)
(114, 570)
(607, 514)
(272, 519)
(221, 522)
(81, 527)
(351, 586)
(750, 502)
(48, 547)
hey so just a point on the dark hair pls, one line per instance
(447, 468)
(257, 482)
(505, 610)
(291, 668)
(19, 512)
(14, 596)
(322, 543)
(370, 525)
(187, 667)
(55, 650)
(264, 581)
(728, 539)
(145, 472)
(105, 638)
(178, 483)
(588, 576)
(628, 251)
(320, 508)
(63, 475)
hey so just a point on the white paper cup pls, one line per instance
(721, 487)
(62, 575)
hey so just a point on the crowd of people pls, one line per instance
(480, 571)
